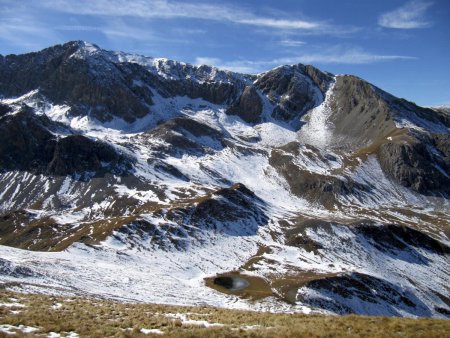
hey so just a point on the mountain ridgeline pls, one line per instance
(330, 190)
(101, 85)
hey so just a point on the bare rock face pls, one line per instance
(319, 188)
(319, 78)
(293, 89)
(360, 117)
(236, 211)
(102, 90)
(185, 136)
(248, 107)
(217, 93)
(78, 154)
(365, 120)
(91, 85)
(413, 165)
(442, 144)
(363, 289)
(372, 292)
(183, 79)
(20, 74)
(25, 141)
(394, 237)
(28, 144)
(4, 109)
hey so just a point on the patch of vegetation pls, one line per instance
(90, 317)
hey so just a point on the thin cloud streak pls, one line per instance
(115, 30)
(118, 21)
(292, 43)
(353, 56)
(164, 9)
(409, 16)
(25, 32)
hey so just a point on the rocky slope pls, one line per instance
(130, 177)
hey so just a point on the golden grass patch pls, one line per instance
(90, 317)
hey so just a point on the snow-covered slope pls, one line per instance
(137, 178)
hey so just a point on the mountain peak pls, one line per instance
(84, 47)
(87, 51)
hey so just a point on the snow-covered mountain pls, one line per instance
(136, 178)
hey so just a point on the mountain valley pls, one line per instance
(140, 179)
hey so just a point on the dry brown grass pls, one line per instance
(100, 318)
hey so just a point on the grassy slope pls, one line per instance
(99, 318)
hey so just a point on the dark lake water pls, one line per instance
(232, 283)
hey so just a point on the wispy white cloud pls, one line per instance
(278, 23)
(341, 56)
(334, 55)
(115, 29)
(292, 43)
(165, 9)
(204, 60)
(25, 32)
(410, 15)
(188, 31)
(239, 66)
(112, 29)
(124, 23)
(244, 66)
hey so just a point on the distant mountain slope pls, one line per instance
(149, 175)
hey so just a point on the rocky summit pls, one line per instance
(144, 179)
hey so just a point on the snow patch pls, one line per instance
(151, 331)
(11, 329)
(317, 130)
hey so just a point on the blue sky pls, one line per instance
(399, 45)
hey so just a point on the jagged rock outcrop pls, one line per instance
(415, 165)
(394, 237)
(228, 204)
(27, 143)
(365, 120)
(92, 85)
(185, 136)
(317, 187)
(236, 211)
(170, 78)
(372, 294)
(76, 154)
(383, 296)
(233, 211)
(248, 107)
(293, 89)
